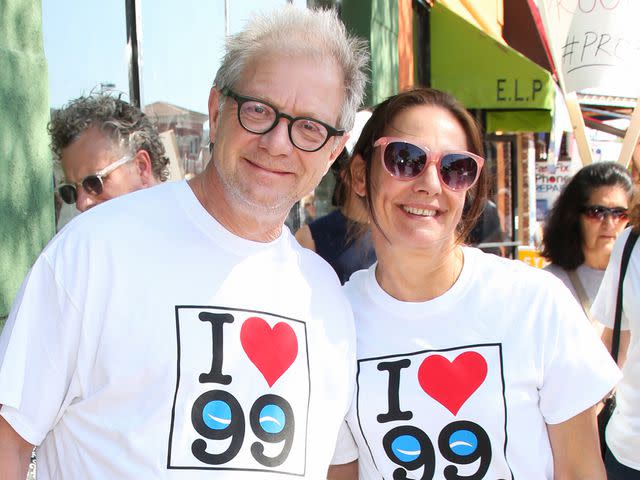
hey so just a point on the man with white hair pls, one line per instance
(181, 331)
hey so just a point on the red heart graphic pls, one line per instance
(271, 350)
(452, 383)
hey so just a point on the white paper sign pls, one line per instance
(594, 43)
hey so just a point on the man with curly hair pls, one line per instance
(106, 148)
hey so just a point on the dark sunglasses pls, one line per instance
(599, 212)
(457, 169)
(92, 184)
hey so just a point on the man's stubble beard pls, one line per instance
(240, 193)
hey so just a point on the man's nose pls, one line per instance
(84, 201)
(277, 141)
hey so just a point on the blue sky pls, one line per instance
(182, 41)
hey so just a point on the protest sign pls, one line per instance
(594, 43)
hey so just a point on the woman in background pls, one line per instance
(582, 226)
(469, 365)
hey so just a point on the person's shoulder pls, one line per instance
(152, 199)
(132, 205)
(357, 283)
(322, 279)
(556, 270)
(310, 262)
(116, 219)
(506, 271)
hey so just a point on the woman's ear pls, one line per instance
(358, 175)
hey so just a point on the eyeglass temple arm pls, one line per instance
(118, 163)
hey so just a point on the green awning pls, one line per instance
(482, 73)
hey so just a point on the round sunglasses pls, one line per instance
(600, 212)
(92, 184)
(457, 169)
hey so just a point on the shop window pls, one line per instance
(502, 173)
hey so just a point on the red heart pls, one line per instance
(452, 383)
(271, 350)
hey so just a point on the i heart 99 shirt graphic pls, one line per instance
(242, 391)
(435, 413)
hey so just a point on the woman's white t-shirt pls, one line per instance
(467, 382)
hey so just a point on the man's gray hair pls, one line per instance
(311, 32)
(122, 123)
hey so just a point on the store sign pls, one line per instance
(550, 180)
(531, 256)
(517, 90)
(596, 42)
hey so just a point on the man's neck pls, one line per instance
(244, 223)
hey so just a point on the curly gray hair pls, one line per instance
(317, 33)
(125, 125)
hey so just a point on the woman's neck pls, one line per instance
(418, 276)
(597, 261)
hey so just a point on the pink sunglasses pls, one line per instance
(457, 169)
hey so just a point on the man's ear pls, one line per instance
(214, 112)
(337, 150)
(142, 163)
(358, 175)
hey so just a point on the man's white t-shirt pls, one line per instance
(150, 342)
(623, 430)
(465, 384)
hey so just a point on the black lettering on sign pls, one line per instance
(514, 89)
(537, 87)
(500, 89)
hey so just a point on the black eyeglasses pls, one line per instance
(599, 212)
(257, 116)
(92, 184)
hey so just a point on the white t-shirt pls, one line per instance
(623, 430)
(469, 380)
(150, 342)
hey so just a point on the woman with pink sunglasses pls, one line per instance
(469, 365)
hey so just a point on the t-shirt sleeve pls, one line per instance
(604, 305)
(38, 349)
(346, 450)
(577, 370)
